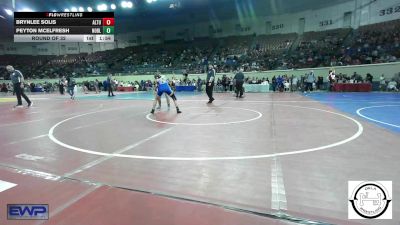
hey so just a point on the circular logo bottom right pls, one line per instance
(370, 200)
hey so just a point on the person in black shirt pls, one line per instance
(273, 83)
(61, 84)
(369, 78)
(239, 80)
(71, 86)
(110, 85)
(210, 83)
(225, 82)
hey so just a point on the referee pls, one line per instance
(18, 81)
(239, 79)
(110, 85)
(210, 83)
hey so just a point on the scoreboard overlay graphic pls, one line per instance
(64, 26)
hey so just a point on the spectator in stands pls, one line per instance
(18, 80)
(369, 78)
(357, 78)
(309, 81)
(4, 88)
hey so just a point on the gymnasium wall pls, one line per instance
(388, 69)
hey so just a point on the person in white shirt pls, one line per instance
(392, 86)
(332, 79)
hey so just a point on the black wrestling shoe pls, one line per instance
(152, 111)
(177, 110)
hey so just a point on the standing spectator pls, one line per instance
(110, 85)
(199, 83)
(185, 78)
(239, 80)
(273, 83)
(230, 81)
(286, 85)
(309, 80)
(105, 85)
(295, 82)
(61, 84)
(382, 82)
(96, 86)
(210, 83)
(279, 82)
(18, 82)
(85, 88)
(320, 82)
(224, 82)
(4, 88)
(71, 86)
(369, 78)
(332, 79)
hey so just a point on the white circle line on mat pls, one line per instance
(347, 140)
(148, 116)
(374, 120)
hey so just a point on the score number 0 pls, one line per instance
(108, 25)
(108, 21)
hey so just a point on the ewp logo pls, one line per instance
(27, 211)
